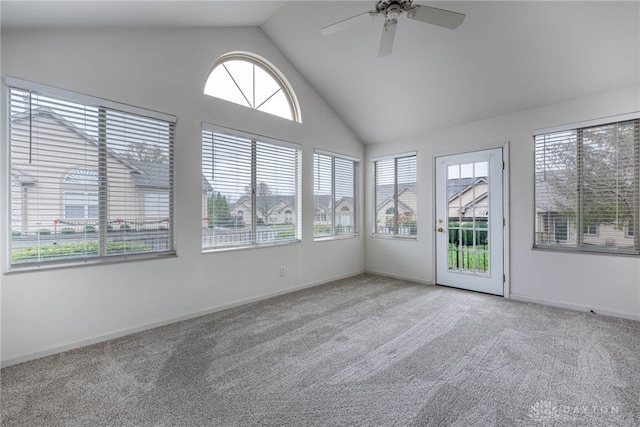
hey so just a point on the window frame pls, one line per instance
(101, 188)
(254, 219)
(395, 195)
(271, 70)
(581, 246)
(334, 216)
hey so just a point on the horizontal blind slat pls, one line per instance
(59, 148)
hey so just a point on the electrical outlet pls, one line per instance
(283, 272)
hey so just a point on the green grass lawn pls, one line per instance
(469, 258)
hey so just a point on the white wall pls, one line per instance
(606, 284)
(164, 70)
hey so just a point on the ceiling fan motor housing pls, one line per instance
(384, 6)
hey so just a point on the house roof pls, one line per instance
(465, 184)
(22, 177)
(288, 200)
(143, 174)
(323, 201)
(385, 192)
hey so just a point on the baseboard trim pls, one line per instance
(148, 326)
(399, 277)
(576, 307)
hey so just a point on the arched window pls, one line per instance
(81, 176)
(345, 209)
(80, 194)
(249, 80)
(390, 211)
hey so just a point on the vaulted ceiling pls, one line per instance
(505, 57)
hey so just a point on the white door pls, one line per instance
(469, 221)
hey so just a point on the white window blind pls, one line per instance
(586, 188)
(336, 202)
(395, 194)
(81, 169)
(254, 191)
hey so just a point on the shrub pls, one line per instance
(412, 225)
(67, 230)
(464, 233)
(89, 229)
(15, 233)
(285, 234)
(322, 229)
(44, 232)
(125, 227)
(76, 250)
(454, 236)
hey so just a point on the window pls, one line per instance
(80, 195)
(395, 196)
(255, 190)
(335, 195)
(156, 205)
(249, 80)
(586, 186)
(80, 205)
(80, 166)
(590, 229)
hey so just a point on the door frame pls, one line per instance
(506, 237)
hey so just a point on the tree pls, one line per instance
(265, 201)
(218, 210)
(144, 152)
(590, 171)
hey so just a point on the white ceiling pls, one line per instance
(505, 57)
(141, 13)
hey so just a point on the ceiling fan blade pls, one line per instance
(349, 22)
(435, 16)
(386, 40)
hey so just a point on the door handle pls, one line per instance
(440, 229)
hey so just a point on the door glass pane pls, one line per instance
(468, 215)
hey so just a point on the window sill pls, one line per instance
(336, 237)
(584, 251)
(84, 262)
(250, 247)
(394, 237)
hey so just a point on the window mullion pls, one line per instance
(580, 189)
(103, 209)
(395, 196)
(254, 186)
(635, 220)
(356, 212)
(333, 195)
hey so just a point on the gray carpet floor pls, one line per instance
(367, 350)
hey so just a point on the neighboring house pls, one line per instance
(468, 198)
(66, 193)
(556, 228)
(281, 209)
(274, 209)
(385, 209)
(344, 211)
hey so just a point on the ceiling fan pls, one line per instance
(391, 10)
